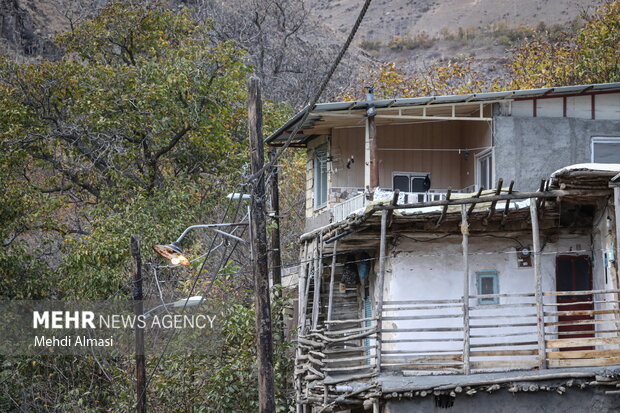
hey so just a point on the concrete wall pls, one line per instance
(590, 400)
(434, 271)
(529, 149)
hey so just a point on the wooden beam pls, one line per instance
(465, 232)
(445, 208)
(380, 285)
(498, 191)
(503, 197)
(542, 361)
(331, 281)
(507, 206)
(430, 117)
(474, 201)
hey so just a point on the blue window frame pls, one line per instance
(488, 283)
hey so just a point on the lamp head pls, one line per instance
(172, 252)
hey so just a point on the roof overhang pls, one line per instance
(467, 107)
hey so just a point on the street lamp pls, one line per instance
(174, 252)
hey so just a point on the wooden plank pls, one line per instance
(582, 302)
(359, 320)
(403, 366)
(421, 340)
(584, 341)
(351, 368)
(585, 312)
(583, 354)
(465, 242)
(578, 322)
(538, 285)
(583, 292)
(497, 353)
(344, 359)
(584, 362)
(348, 350)
(512, 344)
(412, 330)
(387, 303)
(552, 334)
(424, 352)
(486, 317)
(422, 317)
(349, 330)
(502, 295)
(392, 359)
(499, 306)
(504, 364)
(426, 307)
(503, 325)
(331, 282)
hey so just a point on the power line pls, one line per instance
(306, 111)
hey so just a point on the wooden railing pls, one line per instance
(343, 209)
(428, 337)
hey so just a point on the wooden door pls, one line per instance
(574, 273)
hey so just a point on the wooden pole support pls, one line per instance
(331, 281)
(380, 284)
(465, 232)
(542, 359)
(262, 299)
(318, 273)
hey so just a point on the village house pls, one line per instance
(460, 252)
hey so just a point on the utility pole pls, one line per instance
(258, 228)
(138, 309)
(276, 255)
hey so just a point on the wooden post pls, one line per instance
(318, 273)
(276, 254)
(301, 287)
(542, 358)
(331, 282)
(264, 347)
(380, 284)
(138, 309)
(465, 232)
(301, 317)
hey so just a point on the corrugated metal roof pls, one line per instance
(430, 101)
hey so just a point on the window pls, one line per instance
(606, 150)
(488, 283)
(320, 176)
(484, 169)
(409, 181)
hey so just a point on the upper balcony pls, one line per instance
(422, 160)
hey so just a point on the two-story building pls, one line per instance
(453, 259)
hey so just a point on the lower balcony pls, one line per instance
(429, 338)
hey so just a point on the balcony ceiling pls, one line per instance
(325, 116)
